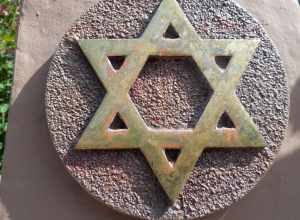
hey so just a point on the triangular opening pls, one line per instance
(118, 123)
(116, 61)
(172, 155)
(171, 33)
(225, 121)
(222, 61)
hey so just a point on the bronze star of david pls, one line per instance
(153, 142)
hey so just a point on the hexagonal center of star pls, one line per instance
(171, 92)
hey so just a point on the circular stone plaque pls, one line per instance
(169, 93)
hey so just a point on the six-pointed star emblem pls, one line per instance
(153, 142)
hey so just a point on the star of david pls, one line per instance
(153, 142)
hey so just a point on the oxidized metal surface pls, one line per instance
(169, 93)
(153, 142)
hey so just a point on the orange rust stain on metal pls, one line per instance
(125, 121)
(230, 134)
(110, 118)
(163, 52)
(170, 146)
(110, 71)
(110, 134)
(125, 64)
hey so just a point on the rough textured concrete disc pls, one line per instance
(168, 93)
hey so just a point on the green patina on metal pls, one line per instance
(153, 142)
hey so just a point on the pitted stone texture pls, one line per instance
(163, 83)
(123, 179)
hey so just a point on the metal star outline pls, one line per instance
(153, 142)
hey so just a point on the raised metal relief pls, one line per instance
(153, 142)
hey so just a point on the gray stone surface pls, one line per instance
(35, 185)
(167, 94)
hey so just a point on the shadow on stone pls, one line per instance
(41, 186)
(295, 107)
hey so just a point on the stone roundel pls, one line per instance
(167, 94)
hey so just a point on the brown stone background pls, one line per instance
(35, 184)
